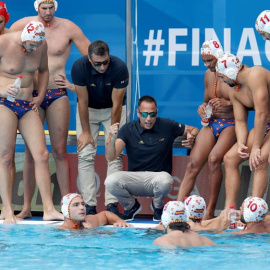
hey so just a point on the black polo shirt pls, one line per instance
(100, 86)
(150, 150)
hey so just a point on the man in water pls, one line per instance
(74, 211)
(254, 211)
(178, 233)
(262, 24)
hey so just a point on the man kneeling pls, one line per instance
(175, 221)
(74, 211)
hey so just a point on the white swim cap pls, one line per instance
(213, 48)
(229, 66)
(196, 206)
(66, 202)
(174, 211)
(255, 209)
(37, 3)
(262, 23)
(33, 32)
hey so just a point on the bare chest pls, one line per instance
(16, 62)
(58, 40)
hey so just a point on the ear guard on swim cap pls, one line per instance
(37, 3)
(213, 48)
(255, 209)
(229, 65)
(174, 211)
(3, 11)
(262, 23)
(195, 206)
(66, 202)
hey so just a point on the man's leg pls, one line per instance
(124, 185)
(197, 159)
(8, 132)
(32, 131)
(260, 178)
(117, 164)
(57, 117)
(225, 141)
(232, 175)
(86, 161)
(29, 181)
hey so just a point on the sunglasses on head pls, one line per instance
(145, 114)
(104, 63)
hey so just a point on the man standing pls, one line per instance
(262, 24)
(100, 81)
(24, 53)
(215, 139)
(149, 142)
(60, 33)
(250, 90)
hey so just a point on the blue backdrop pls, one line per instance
(166, 41)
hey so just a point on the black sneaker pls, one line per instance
(157, 212)
(113, 207)
(128, 215)
(91, 210)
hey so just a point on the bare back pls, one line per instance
(59, 36)
(255, 91)
(220, 91)
(13, 62)
(186, 239)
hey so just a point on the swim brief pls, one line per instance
(217, 125)
(50, 96)
(19, 107)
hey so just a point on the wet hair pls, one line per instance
(99, 48)
(179, 226)
(196, 220)
(147, 99)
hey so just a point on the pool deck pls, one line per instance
(137, 222)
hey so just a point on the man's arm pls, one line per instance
(241, 128)
(114, 146)
(43, 76)
(85, 137)
(191, 134)
(117, 99)
(79, 39)
(104, 218)
(258, 87)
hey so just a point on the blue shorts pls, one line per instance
(217, 125)
(19, 107)
(50, 96)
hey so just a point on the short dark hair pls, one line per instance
(98, 47)
(179, 226)
(146, 99)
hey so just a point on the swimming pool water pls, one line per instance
(45, 247)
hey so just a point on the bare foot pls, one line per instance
(10, 219)
(53, 215)
(24, 214)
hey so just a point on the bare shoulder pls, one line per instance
(20, 24)
(65, 23)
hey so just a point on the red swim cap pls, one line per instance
(3, 11)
